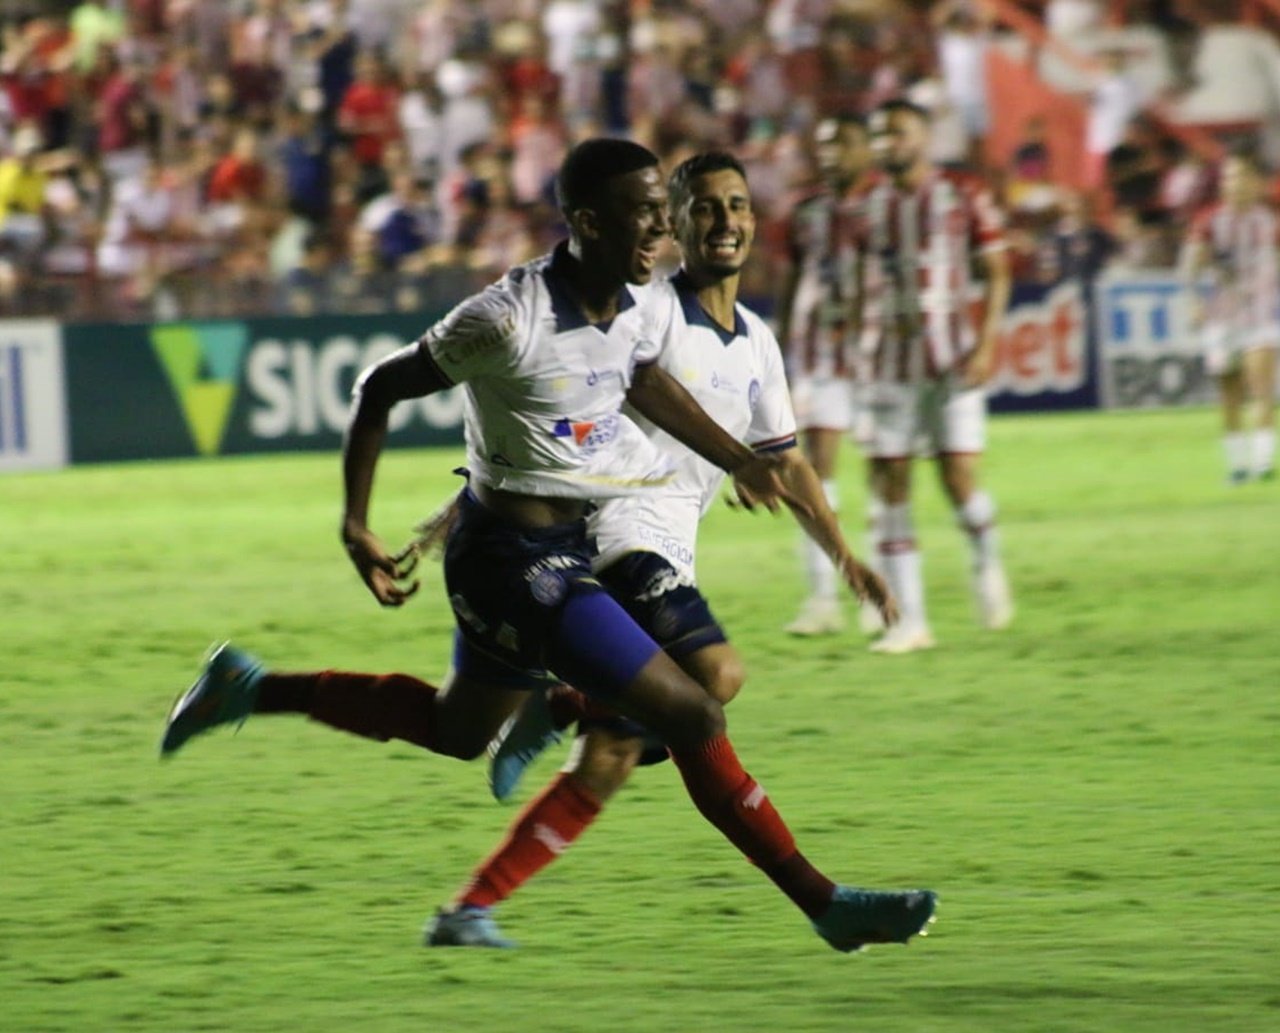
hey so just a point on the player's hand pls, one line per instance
(386, 576)
(758, 482)
(870, 587)
(977, 368)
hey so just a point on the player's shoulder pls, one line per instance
(764, 342)
(488, 318)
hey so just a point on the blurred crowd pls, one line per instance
(196, 158)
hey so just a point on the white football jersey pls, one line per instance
(737, 377)
(544, 388)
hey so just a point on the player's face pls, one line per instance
(899, 139)
(631, 223)
(843, 151)
(1239, 184)
(715, 226)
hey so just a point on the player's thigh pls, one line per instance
(897, 420)
(717, 668)
(471, 708)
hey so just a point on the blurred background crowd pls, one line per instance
(198, 158)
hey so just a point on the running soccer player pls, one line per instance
(730, 362)
(546, 357)
(920, 232)
(1235, 242)
(816, 328)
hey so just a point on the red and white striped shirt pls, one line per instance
(1242, 256)
(820, 341)
(917, 248)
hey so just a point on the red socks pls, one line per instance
(543, 831)
(376, 706)
(735, 803)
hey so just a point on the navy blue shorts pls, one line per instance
(663, 601)
(668, 605)
(529, 611)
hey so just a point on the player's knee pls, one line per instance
(725, 679)
(703, 719)
(606, 761)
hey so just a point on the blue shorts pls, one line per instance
(668, 605)
(663, 601)
(529, 611)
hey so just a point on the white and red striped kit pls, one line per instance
(1244, 302)
(820, 343)
(918, 249)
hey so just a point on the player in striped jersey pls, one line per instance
(816, 330)
(728, 359)
(1234, 241)
(920, 232)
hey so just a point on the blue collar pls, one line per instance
(566, 311)
(696, 315)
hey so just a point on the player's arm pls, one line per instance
(819, 522)
(407, 373)
(657, 395)
(997, 284)
(1192, 264)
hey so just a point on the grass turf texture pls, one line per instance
(1093, 792)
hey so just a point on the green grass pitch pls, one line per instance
(1094, 793)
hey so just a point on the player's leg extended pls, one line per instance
(1259, 367)
(457, 720)
(1235, 442)
(602, 760)
(820, 614)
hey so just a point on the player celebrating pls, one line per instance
(920, 231)
(1235, 241)
(729, 360)
(816, 328)
(546, 357)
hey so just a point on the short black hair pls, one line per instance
(680, 184)
(591, 164)
(902, 105)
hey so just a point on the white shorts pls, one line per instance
(823, 403)
(933, 416)
(1224, 345)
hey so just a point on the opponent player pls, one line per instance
(547, 356)
(816, 327)
(730, 362)
(1235, 242)
(921, 231)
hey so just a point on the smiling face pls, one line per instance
(625, 229)
(715, 224)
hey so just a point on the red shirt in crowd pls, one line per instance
(369, 112)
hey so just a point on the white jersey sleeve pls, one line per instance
(476, 339)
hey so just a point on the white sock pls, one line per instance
(875, 519)
(902, 564)
(823, 580)
(977, 518)
(1264, 449)
(1235, 447)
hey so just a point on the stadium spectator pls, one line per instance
(368, 112)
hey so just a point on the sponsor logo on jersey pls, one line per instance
(661, 584)
(589, 435)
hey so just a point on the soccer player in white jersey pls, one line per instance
(547, 356)
(816, 328)
(1235, 242)
(730, 361)
(920, 232)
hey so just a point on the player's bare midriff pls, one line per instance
(530, 510)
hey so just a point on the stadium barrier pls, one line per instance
(1150, 355)
(98, 392)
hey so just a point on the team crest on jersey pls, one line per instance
(753, 393)
(589, 435)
